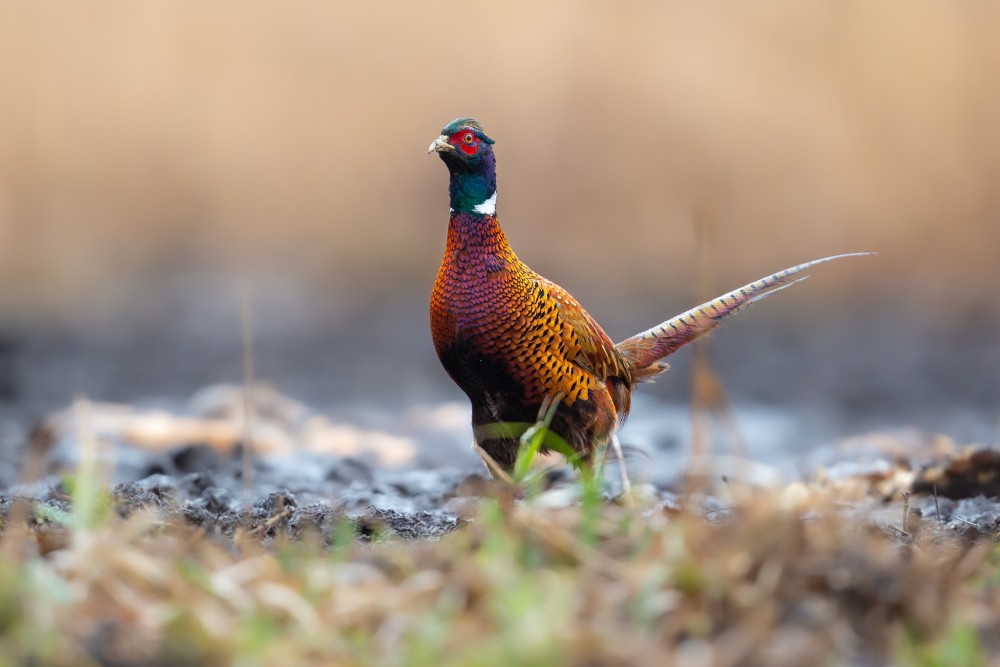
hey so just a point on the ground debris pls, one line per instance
(873, 561)
(184, 571)
(971, 471)
(408, 526)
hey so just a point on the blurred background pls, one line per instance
(157, 158)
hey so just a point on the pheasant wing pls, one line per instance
(587, 345)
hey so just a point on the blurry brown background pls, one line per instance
(155, 156)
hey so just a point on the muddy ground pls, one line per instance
(357, 419)
(291, 492)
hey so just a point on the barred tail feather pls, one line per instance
(645, 351)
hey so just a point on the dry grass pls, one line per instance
(139, 141)
(762, 583)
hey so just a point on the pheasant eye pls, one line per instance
(469, 137)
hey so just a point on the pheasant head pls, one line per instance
(468, 154)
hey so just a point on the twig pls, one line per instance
(906, 511)
(717, 509)
(899, 530)
(246, 327)
(708, 396)
(937, 507)
(271, 521)
(498, 472)
(626, 484)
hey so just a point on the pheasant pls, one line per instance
(516, 342)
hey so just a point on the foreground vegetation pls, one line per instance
(765, 581)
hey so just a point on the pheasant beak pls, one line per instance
(440, 145)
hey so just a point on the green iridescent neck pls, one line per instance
(473, 186)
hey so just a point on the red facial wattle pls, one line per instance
(467, 141)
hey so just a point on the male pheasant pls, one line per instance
(514, 341)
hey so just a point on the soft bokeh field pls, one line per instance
(139, 140)
(151, 152)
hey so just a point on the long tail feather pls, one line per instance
(646, 350)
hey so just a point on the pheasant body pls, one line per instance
(505, 336)
(510, 339)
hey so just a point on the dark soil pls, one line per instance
(409, 504)
(313, 496)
